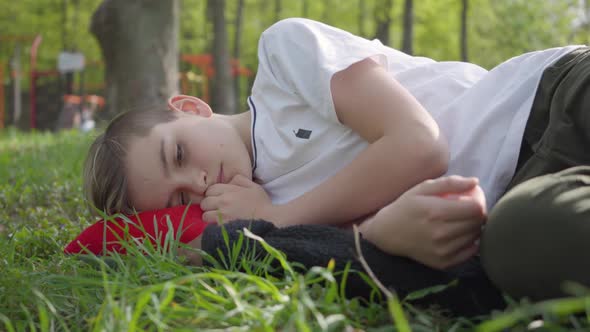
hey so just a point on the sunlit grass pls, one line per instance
(41, 209)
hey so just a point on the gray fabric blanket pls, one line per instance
(314, 245)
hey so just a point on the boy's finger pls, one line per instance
(458, 234)
(456, 209)
(446, 185)
(209, 204)
(464, 254)
(463, 242)
(219, 188)
(454, 251)
(211, 216)
(240, 180)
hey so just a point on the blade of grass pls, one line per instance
(395, 308)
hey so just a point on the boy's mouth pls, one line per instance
(220, 177)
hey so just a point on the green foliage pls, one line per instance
(437, 29)
(61, 28)
(497, 29)
(503, 29)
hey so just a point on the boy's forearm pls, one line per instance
(353, 192)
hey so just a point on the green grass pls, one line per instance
(41, 209)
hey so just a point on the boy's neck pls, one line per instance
(241, 122)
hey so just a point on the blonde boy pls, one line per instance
(340, 129)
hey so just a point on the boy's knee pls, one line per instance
(538, 235)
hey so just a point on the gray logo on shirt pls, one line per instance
(302, 133)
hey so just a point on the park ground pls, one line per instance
(41, 289)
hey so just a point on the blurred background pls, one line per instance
(65, 63)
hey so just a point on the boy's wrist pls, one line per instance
(366, 230)
(387, 240)
(275, 214)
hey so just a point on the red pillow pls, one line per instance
(145, 224)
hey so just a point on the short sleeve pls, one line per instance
(297, 58)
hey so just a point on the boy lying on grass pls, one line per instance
(341, 129)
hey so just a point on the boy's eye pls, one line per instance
(179, 154)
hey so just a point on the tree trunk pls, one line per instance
(587, 21)
(362, 16)
(139, 43)
(237, 49)
(305, 8)
(66, 46)
(64, 24)
(464, 10)
(16, 69)
(75, 24)
(382, 15)
(223, 98)
(408, 31)
(277, 10)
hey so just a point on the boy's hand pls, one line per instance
(241, 198)
(437, 222)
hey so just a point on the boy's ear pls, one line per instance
(189, 104)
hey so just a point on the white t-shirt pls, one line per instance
(298, 141)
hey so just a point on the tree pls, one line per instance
(305, 8)
(223, 97)
(515, 27)
(139, 43)
(237, 41)
(581, 25)
(278, 9)
(362, 16)
(408, 30)
(382, 13)
(67, 43)
(464, 10)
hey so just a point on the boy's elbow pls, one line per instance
(441, 163)
(436, 157)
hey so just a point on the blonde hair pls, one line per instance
(104, 176)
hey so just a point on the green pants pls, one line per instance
(538, 234)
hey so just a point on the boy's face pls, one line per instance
(179, 160)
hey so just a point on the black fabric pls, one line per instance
(315, 245)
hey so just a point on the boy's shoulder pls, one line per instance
(291, 24)
(298, 31)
